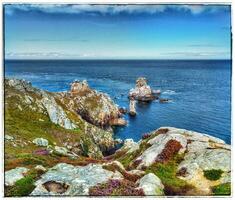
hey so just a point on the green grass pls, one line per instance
(24, 186)
(222, 189)
(167, 173)
(26, 124)
(213, 174)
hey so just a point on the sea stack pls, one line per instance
(132, 107)
(142, 91)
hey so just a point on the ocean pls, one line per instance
(200, 90)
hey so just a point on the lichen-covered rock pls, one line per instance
(40, 142)
(56, 112)
(151, 185)
(201, 153)
(45, 107)
(132, 111)
(78, 179)
(142, 91)
(95, 107)
(117, 122)
(61, 150)
(130, 145)
(14, 175)
(8, 137)
(40, 168)
(158, 144)
(21, 85)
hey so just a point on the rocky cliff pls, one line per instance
(51, 148)
(32, 113)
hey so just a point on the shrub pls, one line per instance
(116, 187)
(171, 148)
(213, 174)
(41, 152)
(222, 189)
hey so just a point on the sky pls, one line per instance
(73, 31)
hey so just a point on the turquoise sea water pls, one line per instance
(200, 90)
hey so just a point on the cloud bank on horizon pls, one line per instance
(111, 9)
(77, 31)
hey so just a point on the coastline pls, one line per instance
(36, 136)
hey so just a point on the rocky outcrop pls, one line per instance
(151, 185)
(68, 180)
(142, 91)
(200, 153)
(117, 122)
(132, 111)
(14, 175)
(130, 145)
(95, 107)
(47, 108)
(56, 113)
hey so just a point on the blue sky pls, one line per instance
(40, 31)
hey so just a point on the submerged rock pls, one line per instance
(68, 180)
(161, 100)
(14, 175)
(142, 91)
(151, 185)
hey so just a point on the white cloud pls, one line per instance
(108, 9)
(28, 55)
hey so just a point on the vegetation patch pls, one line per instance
(167, 172)
(213, 174)
(116, 187)
(222, 189)
(171, 148)
(128, 160)
(24, 186)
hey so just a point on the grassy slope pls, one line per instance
(17, 125)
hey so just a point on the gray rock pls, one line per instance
(95, 107)
(14, 175)
(8, 137)
(137, 172)
(142, 91)
(79, 179)
(21, 85)
(56, 112)
(158, 143)
(151, 185)
(130, 145)
(40, 142)
(40, 167)
(61, 150)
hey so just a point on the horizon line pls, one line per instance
(36, 59)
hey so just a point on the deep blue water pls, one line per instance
(200, 90)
